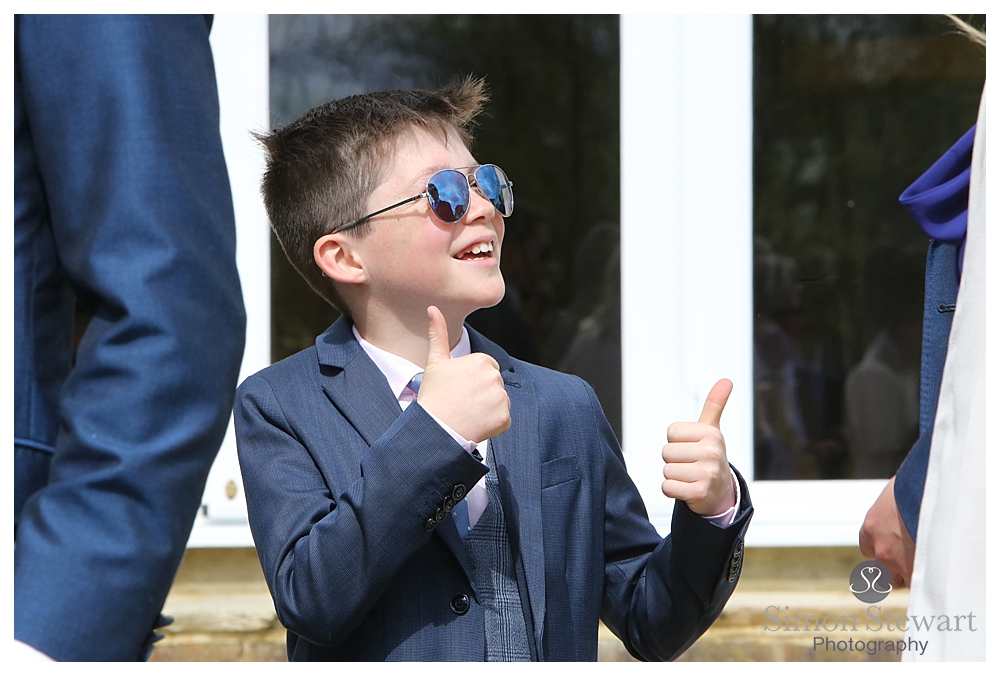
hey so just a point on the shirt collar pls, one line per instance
(398, 371)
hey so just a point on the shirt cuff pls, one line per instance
(728, 516)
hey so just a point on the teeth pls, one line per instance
(486, 247)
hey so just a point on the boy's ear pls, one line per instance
(338, 258)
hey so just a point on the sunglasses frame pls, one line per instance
(473, 185)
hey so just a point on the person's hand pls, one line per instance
(696, 469)
(884, 537)
(466, 394)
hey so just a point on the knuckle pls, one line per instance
(713, 475)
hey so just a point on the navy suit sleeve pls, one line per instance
(329, 552)
(661, 595)
(908, 488)
(117, 137)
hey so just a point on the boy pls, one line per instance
(413, 491)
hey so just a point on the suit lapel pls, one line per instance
(520, 479)
(354, 384)
(359, 390)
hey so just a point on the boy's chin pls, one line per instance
(495, 297)
(487, 298)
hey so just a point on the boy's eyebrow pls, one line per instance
(425, 175)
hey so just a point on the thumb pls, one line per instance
(711, 414)
(437, 334)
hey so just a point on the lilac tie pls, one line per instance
(461, 510)
(415, 381)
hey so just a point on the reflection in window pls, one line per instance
(848, 111)
(552, 124)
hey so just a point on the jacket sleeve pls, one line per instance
(661, 595)
(940, 296)
(328, 552)
(121, 138)
(908, 490)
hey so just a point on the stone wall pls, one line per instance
(223, 611)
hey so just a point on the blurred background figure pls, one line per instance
(595, 353)
(779, 429)
(882, 391)
(124, 237)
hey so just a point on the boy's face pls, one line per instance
(413, 259)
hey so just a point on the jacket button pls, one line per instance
(430, 525)
(458, 492)
(449, 504)
(460, 604)
(736, 562)
(441, 515)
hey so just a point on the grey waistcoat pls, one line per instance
(496, 580)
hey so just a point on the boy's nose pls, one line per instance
(479, 206)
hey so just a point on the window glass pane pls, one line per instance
(551, 124)
(848, 111)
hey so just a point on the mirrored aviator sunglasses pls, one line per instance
(449, 193)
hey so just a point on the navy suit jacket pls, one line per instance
(940, 295)
(121, 201)
(342, 488)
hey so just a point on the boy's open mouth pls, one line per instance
(477, 252)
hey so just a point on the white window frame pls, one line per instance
(687, 261)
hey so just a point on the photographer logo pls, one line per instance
(871, 581)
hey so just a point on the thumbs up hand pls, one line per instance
(696, 469)
(466, 394)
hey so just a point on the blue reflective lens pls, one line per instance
(449, 195)
(495, 186)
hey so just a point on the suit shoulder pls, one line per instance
(555, 385)
(292, 371)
